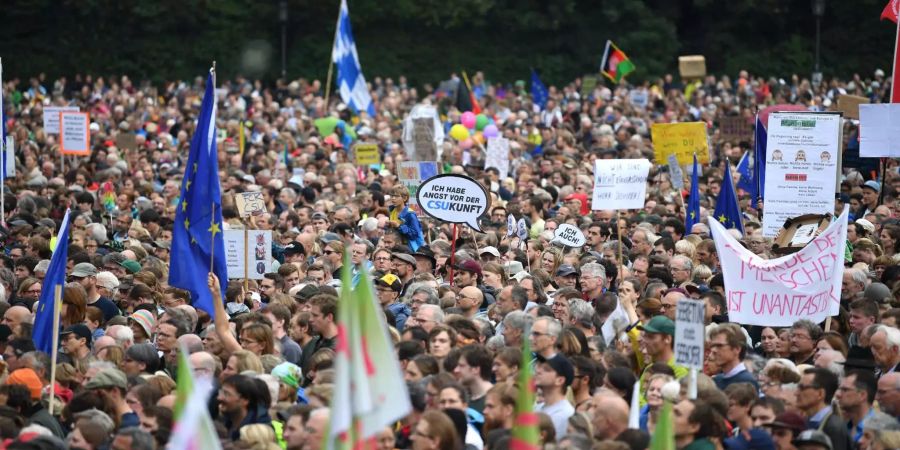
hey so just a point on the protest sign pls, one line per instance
(250, 203)
(778, 292)
(411, 175)
(681, 139)
(51, 117)
(692, 66)
(423, 139)
(498, 156)
(616, 323)
(675, 173)
(522, 229)
(880, 125)
(735, 129)
(690, 332)
(588, 84)
(126, 141)
(10, 156)
(74, 133)
(423, 135)
(367, 154)
(510, 226)
(639, 97)
(569, 235)
(620, 183)
(850, 105)
(802, 155)
(259, 254)
(454, 199)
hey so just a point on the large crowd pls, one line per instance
(458, 304)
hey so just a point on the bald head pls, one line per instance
(888, 394)
(191, 342)
(470, 299)
(103, 342)
(203, 363)
(167, 401)
(123, 335)
(610, 414)
(15, 316)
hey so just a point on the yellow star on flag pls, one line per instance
(187, 186)
(183, 205)
(195, 167)
(214, 228)
(187, 224)
(693, 214)
(722, 218)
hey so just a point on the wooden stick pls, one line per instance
(619, 237)
(328, 85)
(57, 300)
(452, 256)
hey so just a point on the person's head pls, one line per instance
(441, 339)
(658, 336)
(888, 393)
(764, 410)
(725, 343)
(499, 405)
(816, 388)
(474, 365)
(804, 336)
(323, 312)
(515, 325)
(133, 438)
(863, 312)
(878, 428)
(316, 427)
(885, 346)
(544, 335)
(856, 390)
(435, 430)
(553, 375)
(257, 338)
(240, 393)
(610, 415)
(453, 395)
(696, 419)
(740, 399)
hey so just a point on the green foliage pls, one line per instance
(428, 39)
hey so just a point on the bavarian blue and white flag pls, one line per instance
(350, 80)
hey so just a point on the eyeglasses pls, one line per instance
(538, 334)
(328, 252)
(383, 258)
(34, 291)
(803, 387)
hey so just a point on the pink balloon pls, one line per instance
(466, 144)
(491, 131)
(468, 119)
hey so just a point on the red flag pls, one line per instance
(890, 11)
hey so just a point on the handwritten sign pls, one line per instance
(250, 204)
(75, 133)
(850, 105)
(881, 126)
(259, 254)
(51, 117)
(620, 183)
(778, 292)
(682, 140)
(569, 235)
(367, 154)
(454, 199)
(675, 172)
(690, 333)
(498, 156)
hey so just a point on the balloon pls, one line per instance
(468, 119)
(479, 138)
(466, 144)
(481, 121)
(491, 131)
(459, 132)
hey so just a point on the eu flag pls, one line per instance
(759, 159)
(692, 215)
(47, 308)
(539, 93)
(728, 211)
(746, 181)
(197, 232)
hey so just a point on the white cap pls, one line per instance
(107, 280)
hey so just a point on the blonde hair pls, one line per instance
(247, 360)
(258, 436)
(686, 248)
(701, 273)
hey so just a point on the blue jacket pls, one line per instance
(410, 228)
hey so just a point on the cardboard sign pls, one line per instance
(735, 129)
(569, 235)
(75, 133)
(454, 199)
(639, 97)
(498, 156)
(51, 117)
(367, 154)
(126, 141)
(880, 125)
(620, 183)
(259, 254)
(692, 66)
(588, 84)
(681, 139)
(423, 139)
(250, 204)
(690, 333)
(849, 105)
(675, 173)
(778, 292)
(802, 156)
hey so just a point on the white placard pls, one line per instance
(778, 292)
(620, 183)
(51, 117)
(690, 333)
(510, 226)
(804, 234)
(616, 323)
(454, 199)
(10, 157)
(250, 203)
(802, 154)
(675, 173)
(74, 134)
(569, 235)
(879, 126)
(498, 156)
(259, 256)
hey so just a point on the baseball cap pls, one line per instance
(29, 378)
(469, 265)
(753, 439)
(566, 270)
(131, 266)
(288, 373)
(294, 248)
(561, 365)
(107, 280)
(84, 269)
(319, 216)
(813, 437)
(491, 250)
(390, 280)
(108, 378)
(873, 185)
(869, 226)
(659, 324)
(789, 420)
(79, 330)
(405, 257)
(329, 237)
(306, 292)
(513, 267)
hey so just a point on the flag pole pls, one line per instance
(57, 300)
(2, 149)
(896, 44)
(337, 28)
(212, 235)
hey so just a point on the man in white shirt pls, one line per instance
(552, 376)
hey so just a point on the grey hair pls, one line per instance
(519, 320)
(857, 275)
(422, 288)
(688, 264)
(880, 421)
(891, 334)
(594, 270)
(369, 247)
(581, 312)
(97, 232)
(495, 343)
(39, 360)
(123, 335)
(140, 439)
(98, 417)
(815, 331)
(554, 328)
(438, 312)
(101, 365)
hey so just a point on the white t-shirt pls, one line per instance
(559, 414)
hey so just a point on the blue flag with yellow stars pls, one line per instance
(539, 93)
(746, 181)
(728, 211)
(47, 307)
(692, 215)
(198, 246)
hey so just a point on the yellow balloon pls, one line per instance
(479, 138)
(459, 132)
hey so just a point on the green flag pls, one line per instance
(525, 433)
(185, 382)
(664, 434)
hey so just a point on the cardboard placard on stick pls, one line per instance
(849, 105)
(735, 129)
(423, 139)
(250, 204)
(75, 133)
(367, 154)
(126, 141)
(692, 66)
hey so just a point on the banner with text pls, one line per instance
(802, 155)
(620, 183)
(259, 253)
(681, 140)
(778, 292)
